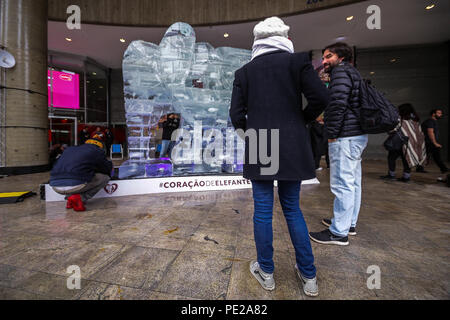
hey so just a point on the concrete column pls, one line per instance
(23, 32)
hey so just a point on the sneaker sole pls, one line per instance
(339, 243)
(350, 233)
(259, 280)
(308, 293)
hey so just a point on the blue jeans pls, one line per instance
(164, 148)
(289, 192)
(345, 182)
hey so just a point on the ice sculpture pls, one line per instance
(193, 80)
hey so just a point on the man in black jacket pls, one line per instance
(84, 135)
(346, 143)
(169, 123)
(267, 98)
(81, 172)
(431, 131)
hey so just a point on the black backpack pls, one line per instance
(376, 113)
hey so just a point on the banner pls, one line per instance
(122, 188)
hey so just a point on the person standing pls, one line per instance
(98, 132)
(431, 130)
(267, 96)
(109, 140)
(319, 142)
(346, 143)
(84, 135)
(169, 125)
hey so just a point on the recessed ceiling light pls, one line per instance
(350, 18)
(101, 87)
(372, 73)
(431, 6)
(122, 40)
(94, 73)
(393, 60)
(68, 39)
(226, 35)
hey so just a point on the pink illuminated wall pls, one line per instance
(66, 90)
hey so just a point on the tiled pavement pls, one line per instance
(199, 245)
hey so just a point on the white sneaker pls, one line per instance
(265, 279)
(319, 169)
(310, 287)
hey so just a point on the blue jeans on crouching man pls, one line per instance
(345, 182)
(289, 193)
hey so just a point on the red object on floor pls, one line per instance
(69, 204)
(76, 202)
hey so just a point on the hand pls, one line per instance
(332, 140)
(437, 145)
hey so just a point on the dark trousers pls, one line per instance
(436, 154)
(392, 158)
(317, 158)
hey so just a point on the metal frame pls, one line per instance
(111, 152)
(60, 117)
(84, 60)
(2, 93)
(3, 119)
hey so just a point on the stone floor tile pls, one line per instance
(197, 275)
(137, 267)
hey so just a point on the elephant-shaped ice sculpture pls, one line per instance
(192, 80)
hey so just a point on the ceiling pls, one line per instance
(403, 22)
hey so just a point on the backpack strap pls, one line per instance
(351, 92)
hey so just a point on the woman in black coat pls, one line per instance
(267, 95)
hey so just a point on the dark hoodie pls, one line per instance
(78, 165)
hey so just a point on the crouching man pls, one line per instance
(81, 172)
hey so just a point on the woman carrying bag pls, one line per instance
(406, 141)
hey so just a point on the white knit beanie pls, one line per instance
(273, 26)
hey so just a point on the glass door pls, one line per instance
(63, 130)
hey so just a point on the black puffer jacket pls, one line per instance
(340, 120)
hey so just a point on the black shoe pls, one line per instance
(403, 179)
(387, 177)
(326, 237)
(327, 222)
(421, 170)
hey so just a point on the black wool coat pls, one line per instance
(267, 94)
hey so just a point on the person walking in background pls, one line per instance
(319, 142)
(346, 143)
(267, 95)
(430, 129)
(412, 152)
